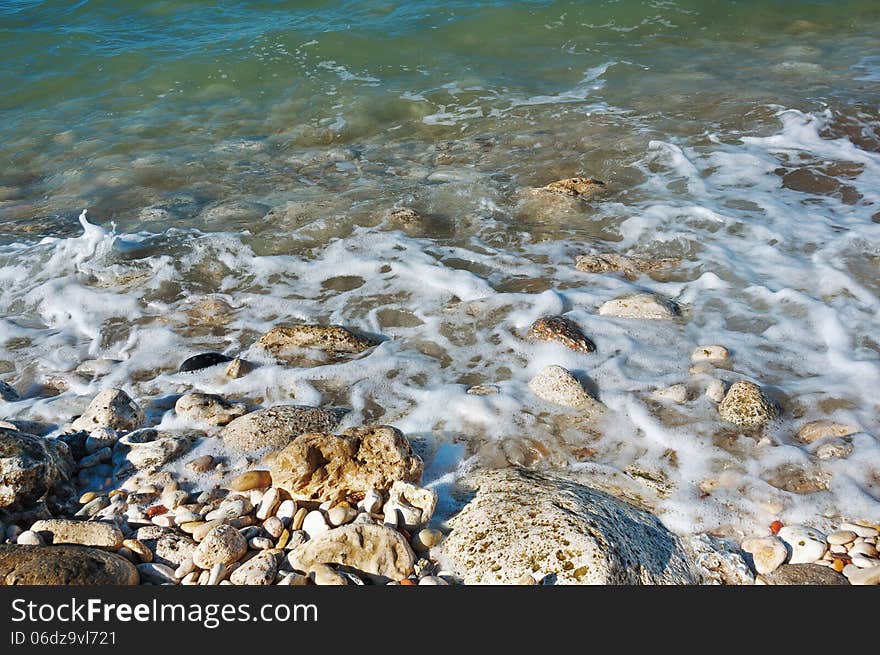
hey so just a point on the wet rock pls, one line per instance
(203, 360)
(834, 449)
(31, 467)
(556, 385)
(238, 368)
(100, 439)
(815, 430)
(208, 408)
(677, 393)
(332, 339)
(145, 448)
(258, 570)
(64, 565)
(96, 368)
(578, 187)
(768, 553)
(423, 501)
(84, 533)
(803, 574)
(375, 550)
(631, 267)
(483, 390)
(522, 522)
(201, 464)
(641, 305)
(8, 393)
(405, 216)
(562, 330)
(716, 390)
(224, 544)
(745, 405)
(328, 467)
(112, 408)
(710, 354)
(275, 427)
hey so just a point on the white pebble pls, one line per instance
(315, 524)
(864, 562)
(270, 502)
(185, 568)
(155, 572)
(29, 538)
(716, 390)
(841, 537)
(286, 510)
(372, 502)
(860, 530)
(857, 576)
(712, 353)
(807, 544)
(768, 553)
(261, 543)
(217, 573)
(863, 548)
(433, 580)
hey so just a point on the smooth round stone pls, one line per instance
(93, 506)
(433, 580)
(201, 531)
(186, 516)
(29, 538)
(864, 548)
(88, 497)
(857, 576)
(340, 515)
(164, 521)
(860, 530)
(158, 573)
(273, 526)
(426, 539)
(190, 579)
(297, 538)
(841, 537)
(140, 549)
(185, 568)
(321, 574)
(251, 480)
(526, 579)
(768, 553)
(268, 505)
(294, 580)
(807, 544)
(712, 353)
(837, 550)
(230, 510)
(286, 510)
(203, 360)
(315, 524)
(217, 574)
(191, 526)
(223, 544)
(858, 560)
(261, 543)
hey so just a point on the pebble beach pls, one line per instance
(279, 306)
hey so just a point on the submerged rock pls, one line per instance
(631, 267)
(578, 187)
(8, 393)
(203, 360)
(563, 330)
(641, 305)
(332, 339)
(376, 550)
(718, 561)
(275, 427)
(815, 430)
(64, 565)
(523, 522)
(323, 466)
(745, 405)
(556, 385)
(208, 408)
(31, 467)
(144, 448)
(112, 408)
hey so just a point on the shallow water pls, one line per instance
(238, 166)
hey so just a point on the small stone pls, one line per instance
(834, 449)
(631, 267)
(426, 539)
(299, 518)
(577, 187)
(405, 215)
(803, 574)
(190, 579)
(340, 515)
(258, 570)
(140, 549)
(407, 495)
(286, 510)
(716, 390)
(815, 430)
(677, 393)
(841, 537)
(483, 390)
(768, 553)
(710, 354)
(863, 548)
(217, 574)
(223, 544)
(526, 579)
(640, 306)
(807, 545)
(201, 531)
(88, 497)
(261, 543)
(94, 506)
(329, 338)
(556, 385)
(208, 408)
(238, 368)
(372, 502)
(229, 510)
(297, 538)
(294, 580)
(29, 538)
(276, 427)
(432, 580)
(100, 438)
(251, 480)
(562, 330)
(158, 573)
(274, 527)
(271, 500)
(746, 406)
(201, 464)
(857, 560)
(321, 574)
(112, 408)
(863, 531)
(314, 524)
(867, 576)
(8, 393)
(203, 360)
(85, 533)
(185, 568)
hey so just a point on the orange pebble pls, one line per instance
(155, 510)
(775, 527)
(406, 582)
(838, 565)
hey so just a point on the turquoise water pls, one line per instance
(239, 164)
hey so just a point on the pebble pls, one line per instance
(164, 520)
(190, 579)
(716, 390)
(261, 543)
(268, 505)
(372, 502)
(340, 515)
(155, 572)
(201, 531)
(223, 544)
(557, 385)
(321, 574)
(863, 548)
(203, 360)
(201, 464)
(140, 549)
(88, 497)
(297, 538)
(286, 511)
(858, 560)
(174, 498)
(426, 539)
(807, 544)
(677, 393)
(837, 549)
(299, 518)
(857, 576)
(185, 568)
(242, 521)
(768, 553)
(273, 526)
(101, 438)
(526, 579)
(13, 532)
(191, 526)
(94, 506)
(314, 524)
(841, 537)
(641, 306)
(186, 516)
(230, 510)
(251, 480)
(258, 570)
(29, 538)
(294, 580)
(238, 368)
(713, 353)
(283, 539)
(433, 580)
(860, 530)
(216, 574)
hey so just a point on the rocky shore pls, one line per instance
(280, 494)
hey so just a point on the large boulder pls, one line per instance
(275, 427)
(30, 467)
(112, 408)
(376, 550)
(64, 565)
(322, 466)
(148, 447)
(521, 523)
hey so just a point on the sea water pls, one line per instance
(239, 161)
